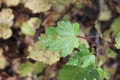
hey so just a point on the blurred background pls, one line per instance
(22, 22)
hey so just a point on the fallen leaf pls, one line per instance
(45, 56)
(6, 16)
(5, 31)
(10, 3)
(38, 6)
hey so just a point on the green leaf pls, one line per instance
(83, 51)
(51, 31)
(98, 29)
(104, 11)
(115, 26)
(62, 38)
(34, 22)
(111, 53)
(67, 29)
(27, 29)
(3, 62)
(88, 74)
(73, 61)
(25, 69)
(82, 58)
(87, 61)
(38, 67)
(68, 73)
(103, 74)
(77, 73)
(117, 40)
(28, 68)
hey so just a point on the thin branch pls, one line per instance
(88, 39)
(67, 11)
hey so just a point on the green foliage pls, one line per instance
(98, 29)
(28, 68)
(77, 73)
(27, 29)
(62, 38)
(117, 40)
(115, 26)
(38, 67)
(82, 58)
(25, 69)
(103, 74)
(3, 62)
(87, 61)
(111, 53)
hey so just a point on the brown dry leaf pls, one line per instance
(12, 2)
(20, 20)
(51, 18)
(45, 56)
(38, 6)
(12, 78)
(112, 69)
(48, 21)
(15, 65)
(29, 40)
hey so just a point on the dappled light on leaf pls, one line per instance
(62, 38)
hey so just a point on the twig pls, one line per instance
(67, 11)
(89, 39)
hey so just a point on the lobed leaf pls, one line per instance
(45, 56)
(62, 38)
